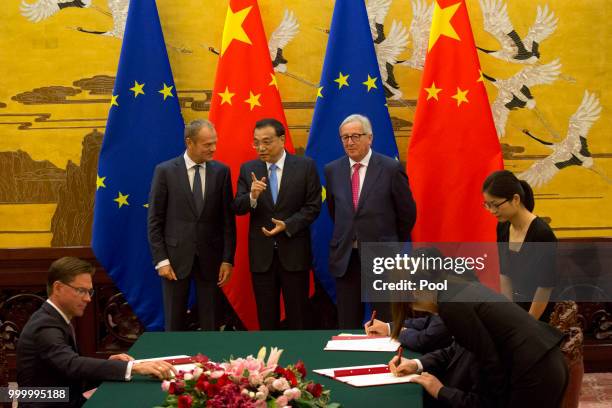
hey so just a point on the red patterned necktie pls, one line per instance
(355, 184)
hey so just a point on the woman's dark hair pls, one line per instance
(505, 184)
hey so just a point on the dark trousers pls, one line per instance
(267, 286)
(208, 299)
(348, 297)
(544, 385)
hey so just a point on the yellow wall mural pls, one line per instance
(59, 59)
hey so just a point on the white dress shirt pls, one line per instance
(362, 170)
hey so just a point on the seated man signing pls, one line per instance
(47, 353)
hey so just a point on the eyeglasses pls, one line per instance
(81, 291)
(493, 206)
(352, 137)
(265, 144)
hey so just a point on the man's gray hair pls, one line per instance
(192, 129)
(365, 122)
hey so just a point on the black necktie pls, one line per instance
(198, 197)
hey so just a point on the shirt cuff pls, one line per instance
(388, 329)
(165, 262)
(419, 365)
(128, 371)
(253, 201)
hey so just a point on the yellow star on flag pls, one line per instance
(461, 96)
(166, 91)
(253, 100)
(323, 193)
(370, 83)
(122, 199)
(226, 96)
(273, 81)
(100, 182)
(114, 100)
(232, 30)
(341, 80)
(137, 89)
(441, 25)
(146, 205)
(320, 92)
(432, 91)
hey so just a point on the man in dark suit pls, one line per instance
(47, 353)
(282, 193)
(192, 230)
(369, 200)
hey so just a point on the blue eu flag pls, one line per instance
(350, 83)
(144, 128)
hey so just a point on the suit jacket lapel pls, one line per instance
(183, 178)
(372, 172)
(209, 182)
(344, 175)
(286, 179)
(261, 170)
(69, 328)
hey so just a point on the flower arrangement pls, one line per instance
(247, 382)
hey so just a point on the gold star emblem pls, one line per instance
(146, 205)
(253, 100)
(122, 199)
(166, 91)
(342, 80)
(273, 81)
(480, 76)
(114, 100)
(100, 182)
(461, 96)
(441, 25)
(323, 193)
(432, 91)
(320, 92)
(137, 89)
(370, 83)
(232, 30)
(226, 96)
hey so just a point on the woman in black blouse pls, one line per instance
(528, 272)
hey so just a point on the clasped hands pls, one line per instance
(257, 187)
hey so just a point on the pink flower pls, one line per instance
(197, 372)
(217, 374)
(274, 356)
(165, 385)
(292, 393)
(262, 392)
(185, 401)
(282, 401)
(255, 379)
(280, 384)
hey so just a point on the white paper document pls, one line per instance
(361, 343)
(179, 367)
(365, 380)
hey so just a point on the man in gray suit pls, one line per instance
(192, 230)
(369, 200)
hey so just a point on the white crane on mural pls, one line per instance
(388, 47)
(422, 14)
(43, 9)
(572, 151)
(515, 93)
(514, 48)
(281, 36)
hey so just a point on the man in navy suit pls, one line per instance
(282, 193)
(369, 200)
(47, 351)
(192, 230)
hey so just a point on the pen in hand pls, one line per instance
(400, 350)
(372, 318)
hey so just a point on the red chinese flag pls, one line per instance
(454, 146)
(245, 91)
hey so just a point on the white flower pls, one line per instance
(197, 372)
(188, 376)
(292, 393)
(280, 384)
(274, 356)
